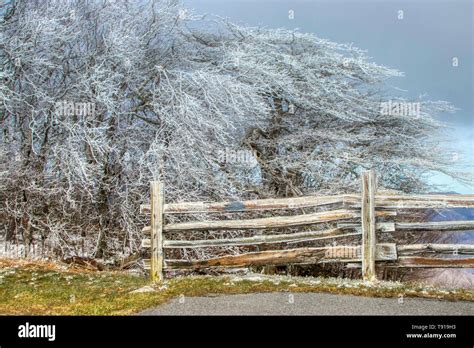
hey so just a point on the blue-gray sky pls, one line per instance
(422, 45)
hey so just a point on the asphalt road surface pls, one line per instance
(282, 303)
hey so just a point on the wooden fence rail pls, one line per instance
(357, 215)
(349, 200)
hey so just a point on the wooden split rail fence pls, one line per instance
(365, 208)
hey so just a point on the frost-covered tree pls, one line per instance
(100, 97)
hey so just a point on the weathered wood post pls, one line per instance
(368, 225)
(157, 202)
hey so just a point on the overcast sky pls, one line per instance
(422, 45)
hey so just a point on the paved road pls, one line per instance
(308, 304)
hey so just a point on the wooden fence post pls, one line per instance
(368, 225)
(157, 202)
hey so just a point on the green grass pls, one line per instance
(38, 288)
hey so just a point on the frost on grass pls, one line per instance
(146, 288)
(387, 287)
